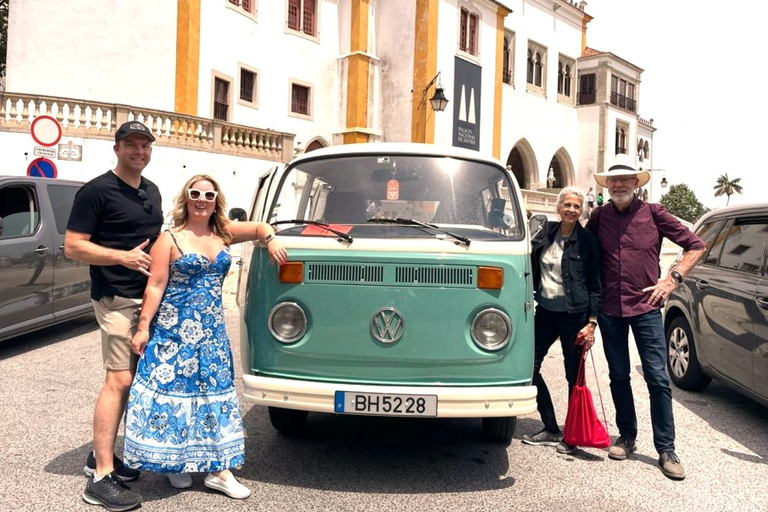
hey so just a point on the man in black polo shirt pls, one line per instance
(115, 219)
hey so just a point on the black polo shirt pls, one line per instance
(117, 216)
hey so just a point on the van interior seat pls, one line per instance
(345, 208)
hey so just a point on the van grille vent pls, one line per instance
(345, 273)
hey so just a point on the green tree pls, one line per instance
(682, 202)
(727, 187)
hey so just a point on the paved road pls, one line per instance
(49, 382)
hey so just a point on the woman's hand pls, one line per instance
(277, 252)
(586, 336)
(139, 342)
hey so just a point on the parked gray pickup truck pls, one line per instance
(39, 286)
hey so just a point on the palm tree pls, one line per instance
(727, 187)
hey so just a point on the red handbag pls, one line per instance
(582, 426)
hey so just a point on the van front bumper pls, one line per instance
(452, 402)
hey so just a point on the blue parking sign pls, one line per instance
(42, 168)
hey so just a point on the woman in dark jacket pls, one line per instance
(568, 292)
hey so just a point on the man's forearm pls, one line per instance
(94, 254)
(690, 258)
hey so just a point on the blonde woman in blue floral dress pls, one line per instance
(183, 415)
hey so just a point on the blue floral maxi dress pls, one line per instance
(183, 414)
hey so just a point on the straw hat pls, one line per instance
(622, 166)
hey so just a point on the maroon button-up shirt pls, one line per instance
(631, 245)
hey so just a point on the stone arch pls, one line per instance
(522, 161)
(316, 143)
(562, 169)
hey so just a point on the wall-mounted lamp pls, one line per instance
(438, 100)
(664, 182)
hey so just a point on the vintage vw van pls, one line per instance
(407, 291)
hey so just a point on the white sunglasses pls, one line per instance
(208, 195)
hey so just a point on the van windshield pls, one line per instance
(360, 192)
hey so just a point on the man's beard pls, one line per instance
(622, 197)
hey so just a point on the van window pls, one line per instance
(744, 246)
(365, 191)
(18, 211)
(62, 197)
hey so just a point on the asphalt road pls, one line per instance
(49, 382)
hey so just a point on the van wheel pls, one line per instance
(499, 430)
(288, 421)
(682, 362)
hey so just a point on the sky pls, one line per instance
(704, 85)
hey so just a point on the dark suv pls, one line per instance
(716, 322)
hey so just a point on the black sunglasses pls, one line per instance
(144, 197)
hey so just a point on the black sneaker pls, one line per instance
(122, 471)
(111, 493)
(543, 438)
(565, 448)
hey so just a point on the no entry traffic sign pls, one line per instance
(46, 130)
(42, 168)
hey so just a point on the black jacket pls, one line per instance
(580, 267)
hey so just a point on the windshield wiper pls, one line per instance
(413, 222)
(323, 225)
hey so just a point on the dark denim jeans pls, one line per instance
(648, 331)
(550, 325)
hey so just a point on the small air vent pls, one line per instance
(435, 275)
(344, 273)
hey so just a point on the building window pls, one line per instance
(301, 99)
(248, 94)
(509, 56)
(535, 71)
(221, 89)
(621, 138)
(302, 16)
(247, 7)
(587, 89)
(468, 24)
(565, 76)
(622, 93)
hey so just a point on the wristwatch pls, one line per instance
(269, 238)
(677, 275)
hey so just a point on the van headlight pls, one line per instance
(287, 322)
(491, 329)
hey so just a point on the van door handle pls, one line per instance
(41, 250)
(762, 302)
(701, 285)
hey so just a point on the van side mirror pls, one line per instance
(538, 227)
(237, 214)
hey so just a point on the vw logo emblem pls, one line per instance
(387, 325)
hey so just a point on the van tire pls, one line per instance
(499, 430)
(682, 360)
(288, 421)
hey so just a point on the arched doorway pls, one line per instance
(522, 162)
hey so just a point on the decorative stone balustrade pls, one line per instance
(91, 119)
(539, 202)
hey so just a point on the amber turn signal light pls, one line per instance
(490, 278)
(291, 272)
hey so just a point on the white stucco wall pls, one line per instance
(278, 56)
(168, 168)
(546, 124)
(80, 49)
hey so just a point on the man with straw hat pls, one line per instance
(630, 233)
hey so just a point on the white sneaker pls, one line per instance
(180, 480)
(231, 487)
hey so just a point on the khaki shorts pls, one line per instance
(118, 318)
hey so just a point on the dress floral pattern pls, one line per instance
(183, 414)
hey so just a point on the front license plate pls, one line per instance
(381, 404)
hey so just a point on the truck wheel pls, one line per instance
(499, 430)
(288, 421)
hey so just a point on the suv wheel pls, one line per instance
(682, 363)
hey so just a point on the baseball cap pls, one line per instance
(132, 127)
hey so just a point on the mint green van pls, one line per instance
(407, 291)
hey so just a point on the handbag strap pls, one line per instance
(582, 381)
